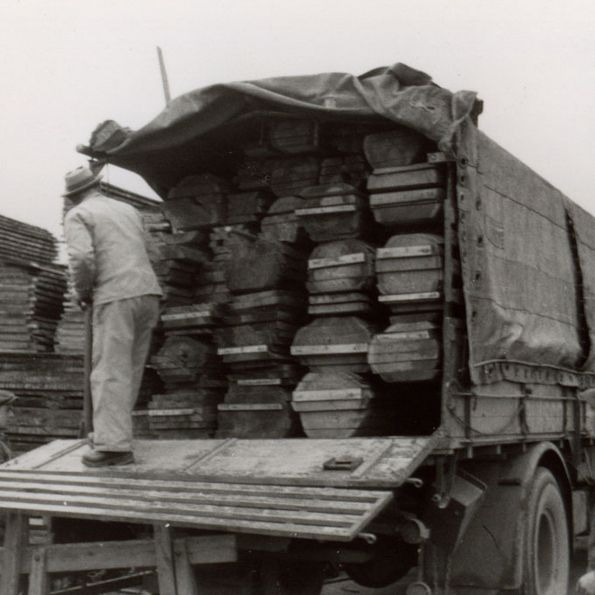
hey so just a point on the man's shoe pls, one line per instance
(105, 458)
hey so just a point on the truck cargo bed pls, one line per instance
(355, 462)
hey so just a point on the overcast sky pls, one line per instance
(66, 65)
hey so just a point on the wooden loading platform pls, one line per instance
(308, 489)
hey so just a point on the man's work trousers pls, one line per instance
(121, 340)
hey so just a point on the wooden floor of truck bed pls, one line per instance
(267, 487)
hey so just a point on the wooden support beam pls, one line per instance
(185, 579)
(38, 577)
(139, 553)
(165, 560)
(14, 538)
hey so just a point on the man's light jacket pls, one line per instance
(107, 253)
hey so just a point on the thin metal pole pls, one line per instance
(163, 76)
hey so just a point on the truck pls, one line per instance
(483, 478)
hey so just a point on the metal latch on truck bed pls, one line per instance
(342, 463)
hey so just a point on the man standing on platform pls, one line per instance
(111, 272)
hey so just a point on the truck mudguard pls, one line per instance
(490, 555)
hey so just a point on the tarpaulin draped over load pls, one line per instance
(527, 253)
(159, 151)
(526, 250)
(583, 225)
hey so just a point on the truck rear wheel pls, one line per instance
(547, 547)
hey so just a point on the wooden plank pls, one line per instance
(38, 574)
(403, 266)
(331, 394)
(193, 490)
(121, 505)
(326, 210)
(15, 538)
(187, 315)
(97, 555)
(407, 251)
(403, 458)
(242, 350)
(261, 381)
(40, 457)
(250, 407)
(299, 462)
(423, 196)
(421, 175)
(319, 263)
(222, 487)
(336, 405)
(207, 455)
(330, 349)
(164, 556)
(185, 580)
(283, 529)
(409, 297)
(167, 412)
(404, 336)
(358, 308)
(253, 466)
(339, 505)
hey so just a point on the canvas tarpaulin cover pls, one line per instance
(528, 256)
(159, 151)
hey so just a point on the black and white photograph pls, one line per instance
(297, 297)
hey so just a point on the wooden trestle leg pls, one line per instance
(172, 557)
(15, 539)
(38, 577)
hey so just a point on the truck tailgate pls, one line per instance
(268, 487)
(351, 462)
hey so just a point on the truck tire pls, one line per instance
(547, 545)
